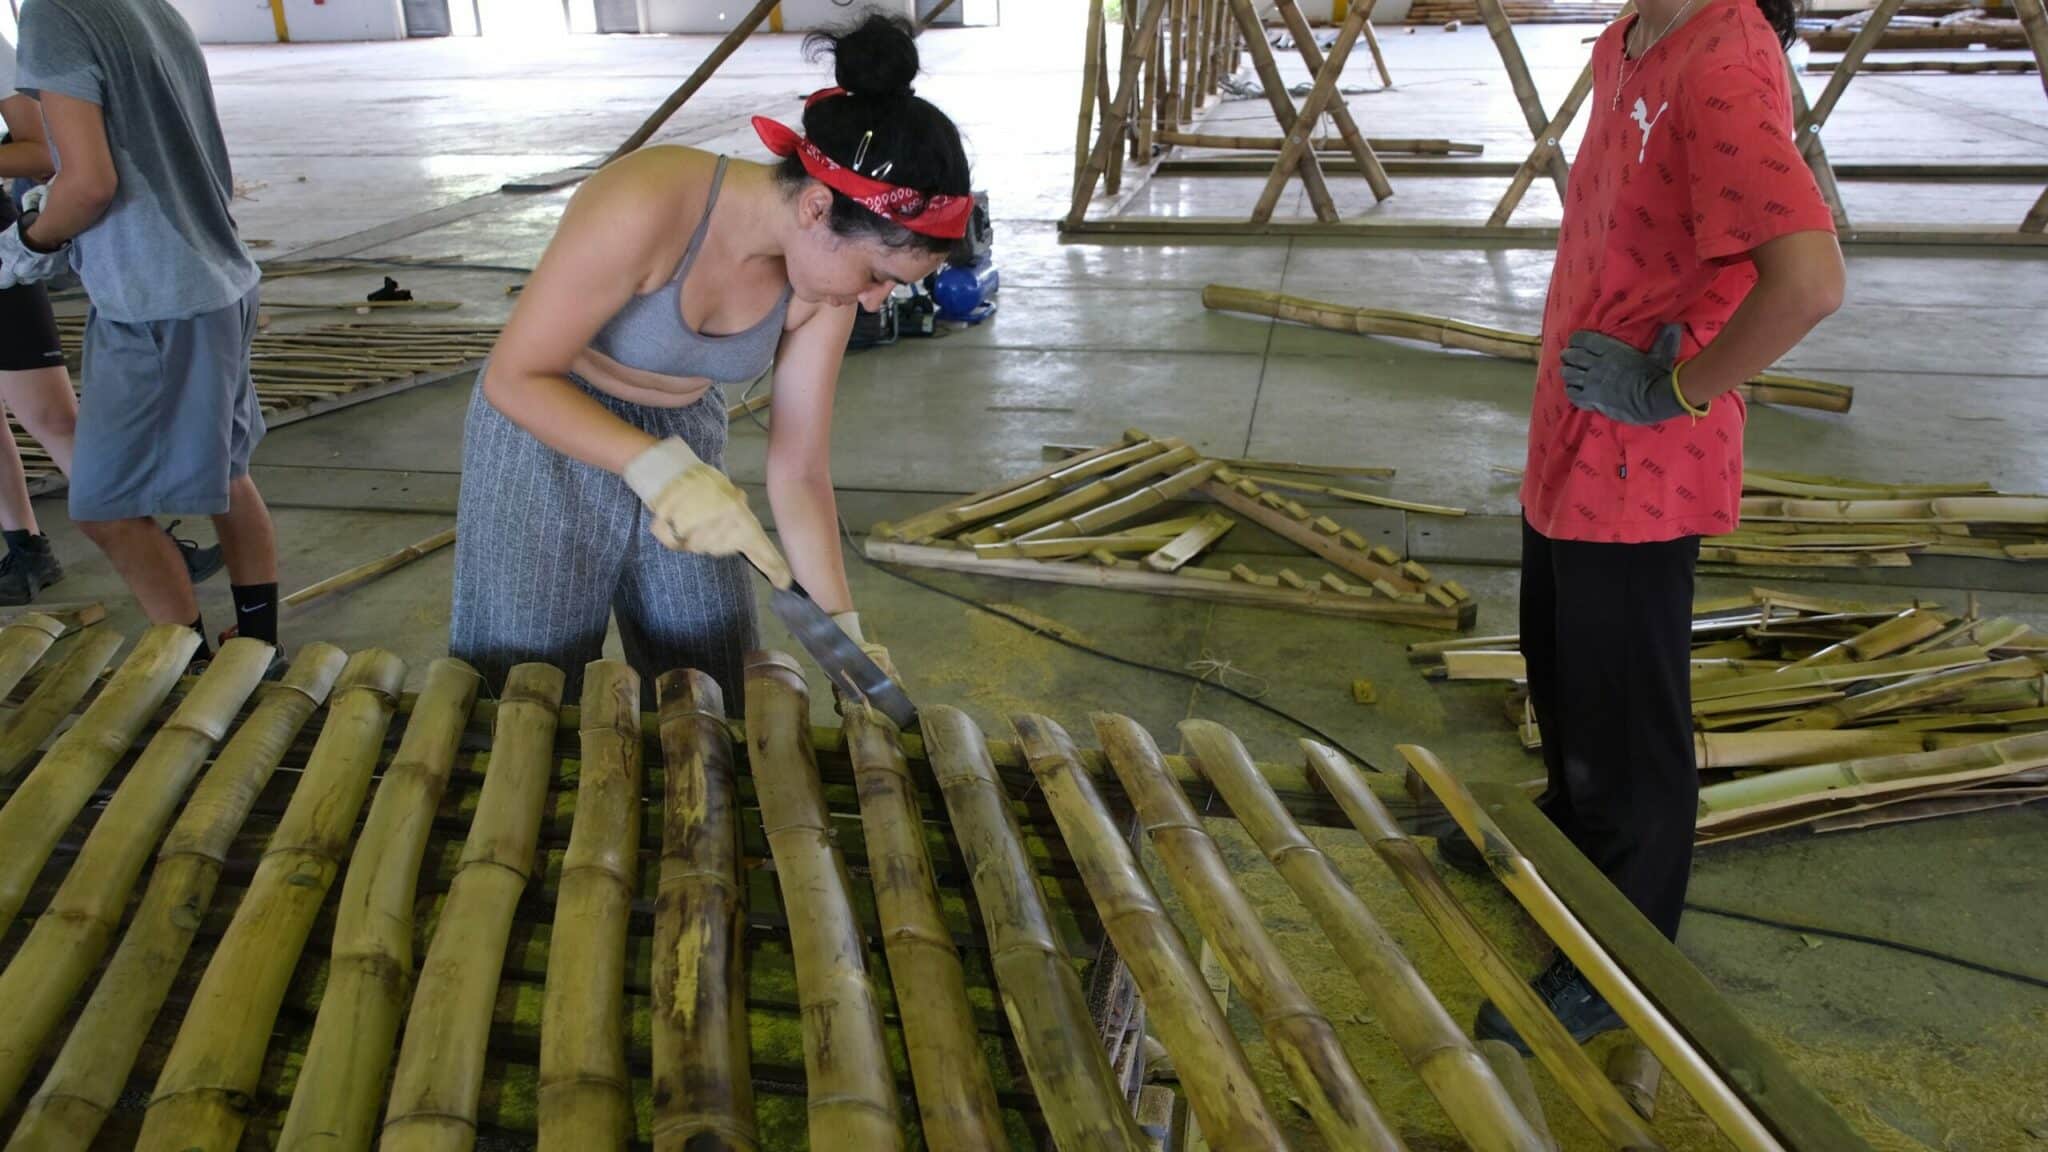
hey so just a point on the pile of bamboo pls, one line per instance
(265, 991)
(1769, 388)
(1791, 519)
(1837, 715)
(1134, 516)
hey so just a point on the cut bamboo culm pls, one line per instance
(1513, 1073)
(586, 1098)
(1301, 1036)
(440, 1067)
(1181, 1011)
(956, 1101)
(1636, 1074)
(1428, 1039)
(57, 789)
(1715, 1097)
(342, 1078)
(200, 1098)
(703, 1094)
(851, 1092)
(1832, 787)
(66, 943)
(1567, 1062)
(54, 698)
(1040, 989)
(92, 1068)
(22, 644)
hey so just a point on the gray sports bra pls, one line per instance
(649, 333)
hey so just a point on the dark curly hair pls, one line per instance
(908, 139)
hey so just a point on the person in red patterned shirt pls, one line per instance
(1695, 251)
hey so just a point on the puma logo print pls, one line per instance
(1645, 121)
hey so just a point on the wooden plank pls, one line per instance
(1760, 1075)
(1330, 548)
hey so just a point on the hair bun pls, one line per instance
(876, 58)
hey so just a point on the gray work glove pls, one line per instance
(1605, 375)
(20, 264)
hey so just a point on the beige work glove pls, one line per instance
(849, 623)
(696, 509)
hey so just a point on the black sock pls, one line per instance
(256, 611)
(17, 539)
(204, 651)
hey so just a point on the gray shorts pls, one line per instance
(167, 415)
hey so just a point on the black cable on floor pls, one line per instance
(1876, 941)
(1113, 658)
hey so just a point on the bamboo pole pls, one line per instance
(1815, 152)
(1116, 114)
(1355, 497)
(198, 1104)
(1146, 498)
(1828, 787)
(54, 698)
(1220, 753)
(1425, 146)
(1906, 693)
(65, 944)
(1519, 876)
(851, 1094)
(1091, 68)
(1180, 1009)
(959, 513)
(1301, 1037)
(364, 573)
(1340, 114)
(56, 791)
(703, 1094)
(1549, 147)
(1296, 143)
(1282, 104)
(696, 80)
(1040, 990)
(1820, 675)
(1143, 468)
(956, 1100)
(341, 1080)
(586, 1098)
(440, 1068)
(92, 1067)
(22, 644)
(1524, 85)
(2033, 16)
(1513, 1073)
(1807, 130)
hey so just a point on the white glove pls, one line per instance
(20, 264)
(696, 509)
(849, 623)
(32, 200)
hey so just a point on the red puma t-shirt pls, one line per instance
(1677, 181)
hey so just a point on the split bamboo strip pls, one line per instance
(22, 644)
(1817, 675)
(2027, 510)
(1722, 1106)
(440, 1068)
(1534, 1022)
(1145, 499)
(1032, 490)
(703, 1093)
(1143, 470)
(65, 944)
(956, 1101)
(341, 1080)
(1723, 750)
(1176, 553)
(851, 1092)
(586, 1098)
(1180, 1009)
(1931, 807)
(1918, 690)
(54, 698)
(941, 520)
(1300, 1035)
(1040, 990)
(56, 791)
(1141, 539)
(1825, 785)
(1513, 1073)
(92, 1068)
(213, 1066)
(1355, 497)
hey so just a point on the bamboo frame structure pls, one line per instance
(89, 1070)
(54, 698)
(703, 1096)
(218, 1055)
(955, 1097)
(66, 942)
(586, 1096)
(1328, 1087)
(1182, 1013)
(851, 1093)
(440, 1066)
(58, 788)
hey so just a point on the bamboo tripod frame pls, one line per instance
(538, 1002)
(1294, 152)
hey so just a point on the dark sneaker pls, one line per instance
(1456, 849)
(24, 574)
(200, 563)
(1584, 1013)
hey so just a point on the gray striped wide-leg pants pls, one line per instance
(546, 548)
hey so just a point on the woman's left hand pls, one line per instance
(1608, 376)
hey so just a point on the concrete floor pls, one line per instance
(384, 151)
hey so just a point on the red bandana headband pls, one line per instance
(941, 215)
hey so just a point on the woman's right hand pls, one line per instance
(696, 509)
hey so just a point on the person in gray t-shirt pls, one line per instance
(139, 206)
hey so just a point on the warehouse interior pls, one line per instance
(1893, 970)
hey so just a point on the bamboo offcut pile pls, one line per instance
(812, 963)
(1768, 388)
(1837, 715)
(1136, 515)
